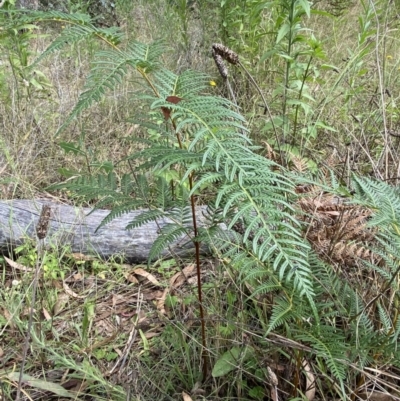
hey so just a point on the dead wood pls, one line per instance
(76, 227)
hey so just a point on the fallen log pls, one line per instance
(76, 228)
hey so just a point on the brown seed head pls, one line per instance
(226, 53)
(219, 62)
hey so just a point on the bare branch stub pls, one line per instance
(43, 223)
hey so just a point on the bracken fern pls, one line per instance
(214, 148)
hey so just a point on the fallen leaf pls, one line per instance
(72, 293)
(131, 278)
(9, 318)
(197, 390)
(62, 300)
(161, 302)
(193, 280)
(229, 360)
(81, 257)
(376, 396)
(273, 383)
(175, 281)
(151, 335)
(179, 278)
(41, 385)
(75, 385)
(330, 212)
(142, 317)
(310, 381)
(151, 295)
(16, 265)
(186, 397)
(106, 328)
(141, 272)
(78, 277)
(46, 314)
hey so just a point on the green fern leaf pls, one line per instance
(169, 234)
(330, 345)
(145, 217)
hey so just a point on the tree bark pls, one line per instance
(76, 228)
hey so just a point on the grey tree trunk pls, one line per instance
(76, 227)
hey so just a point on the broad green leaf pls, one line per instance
(42, 385)
(71, 147)
(329, 67)
(36, 84)
(324, 126)
(231, 359)
(305, 5)
(106, 166)
(146, 345)
(282, 32)
(268, 54)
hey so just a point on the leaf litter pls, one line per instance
(127, 312)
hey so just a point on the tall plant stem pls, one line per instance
(287, 70)
(197, 249)
(199, 287)
(296, 116)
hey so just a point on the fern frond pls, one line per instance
(331, 346)
(145, 57)
(49, 16)
(169, 234)
(282, 311)
(190, 83)
(127, 184)
(396, 333)
(109, 68)
(164, 199)
(385, 319)
(80, 32)
(378, 196)
(207, 179)
(145, 217)
(93, 187)
(120, 209)
(214, 147)
(185, 85)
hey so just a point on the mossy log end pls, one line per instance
(76, 227)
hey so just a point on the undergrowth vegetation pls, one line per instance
(280, 118)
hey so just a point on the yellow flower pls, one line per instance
(213, 83)
(389, 57)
